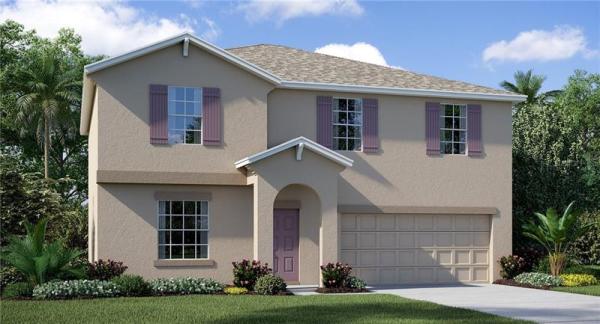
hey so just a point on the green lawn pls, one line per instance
(586, 290)
(371, 308)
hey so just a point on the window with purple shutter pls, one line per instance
(370, 125)
(474, 144)
(324, 119)
(432, 127)
(158, 114)
(211, 99)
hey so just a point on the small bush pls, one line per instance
(531, 255)
(132, 285)
(235, 290)
(246, 272)
(512, 266)
(538, 279)
(17, 289)
(583, 269)
(105, 270)
(184, 286)
(270, 285)
(9, 275)
(75, 289)
(576, 280)
(355, 283)
(335, 274)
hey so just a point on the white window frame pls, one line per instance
(442, 118)
(184, 115)
(335, 136)
(183, 229)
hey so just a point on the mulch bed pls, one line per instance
(323, 290)
(511, 282)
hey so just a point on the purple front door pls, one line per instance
(285, 243)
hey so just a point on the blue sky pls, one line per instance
(456, 40)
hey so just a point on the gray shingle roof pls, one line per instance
(292, 64)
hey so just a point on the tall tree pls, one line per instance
(48, 91)
(529, 84)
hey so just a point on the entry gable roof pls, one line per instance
(300, 143)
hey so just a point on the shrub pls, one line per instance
(586, 248)
(511, 265)
(75, 289)
(18, 289)
(355, 283)
(132, 285)
(576, 280)
(184, 286)
(581, 269)
(531, 255)
(105, 270)
(543, 265)
(39, 261)
(335, 274)
(538, 279)
(270, 285)
(235, 290)
(246, 272)
(9, 275)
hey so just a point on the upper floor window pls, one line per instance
(347, 124)
(182, 229)
(453, 129)
(185, 115)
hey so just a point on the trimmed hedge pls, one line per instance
(235, 290)
(185, 286)
(576, 280)
(132, 285)
(270, 285)
(76, 289)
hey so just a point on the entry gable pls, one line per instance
(300, 143)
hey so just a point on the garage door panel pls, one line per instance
(399, 248)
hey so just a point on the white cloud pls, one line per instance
(212, 32)
(282, 10)
(360, 51)
(106, 27)
(540, 45)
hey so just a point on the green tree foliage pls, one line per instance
(556, 155)
(39, 261)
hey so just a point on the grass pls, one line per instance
(371, 308)
(585, 290)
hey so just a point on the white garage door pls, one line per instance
(405, 249)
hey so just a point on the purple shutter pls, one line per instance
(159, 114)
(370, 125)
(432, 127)
(211, 116)
(324, 122)
(474, 145)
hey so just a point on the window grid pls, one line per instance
(183, 229)
(347, 124)
(185, 115)
(453, 129)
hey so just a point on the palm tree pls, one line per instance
(529, 84)
(556, 234)
(39, 261)
(47, 88)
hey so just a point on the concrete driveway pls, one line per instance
(521, 303)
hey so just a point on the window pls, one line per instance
(347, 124)
(182, 229)
(185, 115)
(453, 129)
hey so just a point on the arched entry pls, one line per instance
(296, 227)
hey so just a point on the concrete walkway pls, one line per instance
(541, 306)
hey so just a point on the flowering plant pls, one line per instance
(335, 274)
(246, 272)
(512, 266)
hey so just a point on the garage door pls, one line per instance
(423, 248)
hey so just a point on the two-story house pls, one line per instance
(200, 156)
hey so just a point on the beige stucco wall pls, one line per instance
(277, 172)
(92, 186)
(124, 112)
(127, 228)
(310, 222)
(401, 174)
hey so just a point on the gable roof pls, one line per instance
(296, 65)
(290, 68)
(300, 143)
